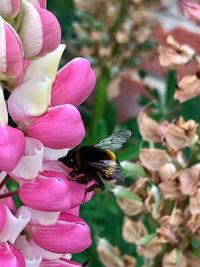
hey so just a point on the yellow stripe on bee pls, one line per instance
(111, 155)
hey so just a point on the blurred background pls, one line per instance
(120, 38)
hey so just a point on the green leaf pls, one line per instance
(132, 169)
(124, 193)
(144, 241)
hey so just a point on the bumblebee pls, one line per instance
(89, 163)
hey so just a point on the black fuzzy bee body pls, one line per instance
(96, 162)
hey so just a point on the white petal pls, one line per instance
(31, 98)
(43, 217)
(47, 65)
(56, 166)
(5, 8)
(15, 225)
(32, 255)
(3, 61)
(54, 154)
(3, 108)
(2, 176)
(31, 33)
(31, 163)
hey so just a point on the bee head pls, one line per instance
(68, 160)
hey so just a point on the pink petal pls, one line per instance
(48, 192)
(79, 193)
(12, 144)
(69, 235)
(75, 211)
(31, 162)
(16, 5)
(74, 83)
(61, 127)
(11, 53)
(10, 256)
(14, 52)
(191, 9)
(51, 30)
(60, 263)
(43, 3)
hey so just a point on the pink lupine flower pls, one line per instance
(191, 9)
(10, 256)
(70, 234)
(74, 83)
(40, 25)
(11, 52)
(12, 144)
(10, 8)
(42, 232)
(12, 140)
(52, 191)
(60, 127)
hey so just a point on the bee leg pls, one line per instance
(79, 177)
(97, 187)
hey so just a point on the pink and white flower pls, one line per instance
(42, 103)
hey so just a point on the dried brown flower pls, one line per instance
(129, 261)
(188, 87)
(151, 249)
(170, 190)
(194, 204)
(174, 55)
(153, 158)
(129, 207)
(133, 230)
(189, 180)
(167, 172)
(149, 128)
(108, 255)
(174, 258)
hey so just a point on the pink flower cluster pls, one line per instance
(42, 103)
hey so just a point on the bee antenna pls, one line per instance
(85, 263)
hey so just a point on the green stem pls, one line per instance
(194, 155)
(100, 99)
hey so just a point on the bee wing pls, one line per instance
(114, 141)
(108, 169)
